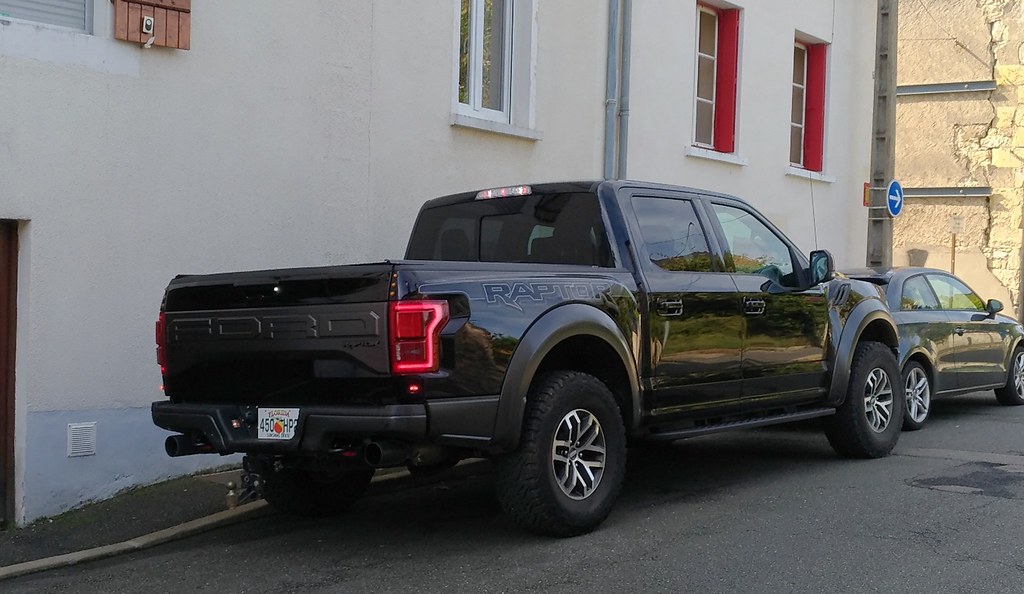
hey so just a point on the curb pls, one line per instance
(394, 481)
(136, 544)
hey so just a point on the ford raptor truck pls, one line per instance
(544, 327)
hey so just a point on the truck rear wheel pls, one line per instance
(320, 494)
(868, 423)
(568, 469)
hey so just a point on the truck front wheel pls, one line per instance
(568, 469)
(868, 423)
(300, 492)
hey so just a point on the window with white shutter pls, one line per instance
(73, 14)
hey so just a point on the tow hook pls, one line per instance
(252, 484)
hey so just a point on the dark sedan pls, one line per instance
(951, 341)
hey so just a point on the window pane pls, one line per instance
(799, 65)
(796, 145)
(493, 83)
(706, 78)
(545, 228)
(673, 235)
(798, 106)
(953, 294)
(917, 295)
(753, 247)
(708, 33)
(705, 123)
(464, 41)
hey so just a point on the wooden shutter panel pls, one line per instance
(725, 80)
(814, 120)
(66, 13)
(172, 21)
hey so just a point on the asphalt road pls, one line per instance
(761, 511)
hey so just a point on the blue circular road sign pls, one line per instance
(894, 198)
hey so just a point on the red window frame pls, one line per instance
(726, 74)
(814, 106)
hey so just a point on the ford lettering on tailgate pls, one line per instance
(270, 327)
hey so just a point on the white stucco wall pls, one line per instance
(297, 137)
(661, 117)
(285, 137)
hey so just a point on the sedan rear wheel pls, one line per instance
(1012, 394)
(919, 396)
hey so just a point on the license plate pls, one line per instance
(277, 423)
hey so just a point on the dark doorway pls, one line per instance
(8, 294)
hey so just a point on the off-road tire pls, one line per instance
(850, 430)
(525, 480)
(919, 374)
(299, 492)
(1012, 394)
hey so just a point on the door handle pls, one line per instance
(754, 307)
(672, 307)
(959, 331)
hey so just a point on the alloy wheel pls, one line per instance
(878, 400)
(919, 395)
(578, 454)
(1018, 374)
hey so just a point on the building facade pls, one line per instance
(266, 134)
(960, 141)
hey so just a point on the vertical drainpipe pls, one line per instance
(627, 42)
(611, 87)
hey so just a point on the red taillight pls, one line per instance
(161, 343)
(415, 328)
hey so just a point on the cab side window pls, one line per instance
(753, 248)
(917, 294)
(672, 234)
(953, 294)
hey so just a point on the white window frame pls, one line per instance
(803, 108)
(474, 76)
(696, 78)
(520, 49)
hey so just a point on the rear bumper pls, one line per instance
(318, 428)
(231, 428)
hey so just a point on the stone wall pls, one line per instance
(963, 139)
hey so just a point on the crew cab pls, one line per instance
(542, 326)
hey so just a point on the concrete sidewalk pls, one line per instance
(152, 515)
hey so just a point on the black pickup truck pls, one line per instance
(545, 327)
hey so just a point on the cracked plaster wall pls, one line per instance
(963, 139)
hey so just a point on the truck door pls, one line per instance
(785, 338)
(8, 290)
(694, 327)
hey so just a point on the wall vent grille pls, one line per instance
(81, 439)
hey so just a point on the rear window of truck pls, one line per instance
(564, 228)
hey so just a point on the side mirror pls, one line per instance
(993, 307)
(823, 267)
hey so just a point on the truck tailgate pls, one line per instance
(258, 335)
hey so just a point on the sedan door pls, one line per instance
(978, 338)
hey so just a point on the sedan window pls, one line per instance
(918, 295)
(953, 294)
